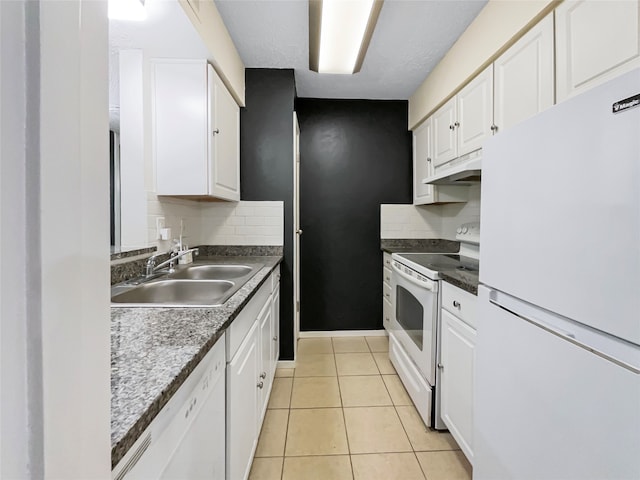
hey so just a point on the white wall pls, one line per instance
(15, 457)
(73, 228)
(429, 221)
(243, 223)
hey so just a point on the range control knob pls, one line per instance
(465, 229)
(459, 230)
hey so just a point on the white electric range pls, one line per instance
(415, 324)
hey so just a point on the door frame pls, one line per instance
(297, 232)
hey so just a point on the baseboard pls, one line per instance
(345, 333)
(286, 364)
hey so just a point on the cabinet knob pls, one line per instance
(216, 131)
(456, 304)
(440, 366)
(299, 231)
(388, 279)
(452, 127)
(457, 124)
(494, 128)
(260, 385)
(387, 295)
(275, 339)
(428, 159)
(263, 375)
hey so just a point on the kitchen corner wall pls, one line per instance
(217, 223)
(429, 221)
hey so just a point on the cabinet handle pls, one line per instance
(440, 366)
(457, 124)
(263, 375)
(452, 127)
(216, 131)
(494, 128)
(456, 304)
(275, 339)
(260, 385)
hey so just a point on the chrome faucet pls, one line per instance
(174, 256)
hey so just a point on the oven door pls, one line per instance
(415, 321)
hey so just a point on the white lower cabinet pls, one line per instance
(250, 373)
(387, 306)
(457, 358)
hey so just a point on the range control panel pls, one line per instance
(469, 233)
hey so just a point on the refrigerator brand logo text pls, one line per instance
(626, 104)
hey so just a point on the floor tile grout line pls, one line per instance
(344, 419)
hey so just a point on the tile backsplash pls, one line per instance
(216, 223)
(429, 221)
(242, 223)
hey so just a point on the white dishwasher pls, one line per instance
(187, 438)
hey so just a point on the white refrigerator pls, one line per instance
(557, 372)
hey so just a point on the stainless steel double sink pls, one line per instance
(194, 285)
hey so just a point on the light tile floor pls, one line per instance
(343, 414)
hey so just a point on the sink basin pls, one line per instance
(214, 272)
(173, 292)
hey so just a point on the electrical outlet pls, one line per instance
(160, 225)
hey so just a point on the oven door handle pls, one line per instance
(426, 284)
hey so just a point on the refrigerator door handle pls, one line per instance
(569, 338)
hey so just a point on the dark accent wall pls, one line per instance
(266, 167)
(355, 155)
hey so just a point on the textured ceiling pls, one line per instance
(409, 40)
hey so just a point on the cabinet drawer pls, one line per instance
(386, 292)
(386, 260)
(387, 312)
(460, 303)
(386, 276)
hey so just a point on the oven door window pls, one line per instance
(410, 315)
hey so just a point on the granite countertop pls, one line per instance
(409, 245)
(153, 351)
(465, 279)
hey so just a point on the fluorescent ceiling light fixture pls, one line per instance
(127, 10)
(339, 34)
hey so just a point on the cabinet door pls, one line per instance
(456, 367)
(475, 112)
(523, 77)
(224, 152)
(265, 365)
(595, 41)
(444, 133)
(275, 333)
(242, 406)
(180, 133)
(422, 164)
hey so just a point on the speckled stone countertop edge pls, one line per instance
(132, 253)
(409, 245)
(467, 281)
(230, 311)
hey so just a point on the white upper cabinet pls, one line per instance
(423, 165)
(595, 41)
(464, 122)
(196, 131)
(524, 77)
(445, 146)
(475, 112)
